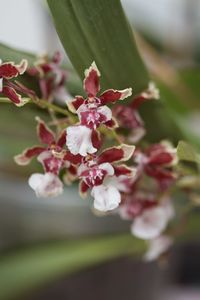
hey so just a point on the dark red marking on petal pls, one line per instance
(72, 170)
(26, 156)
(91, 83)
(74, 159)
(111, 123)
(96, 139)
(8, 71)
(83, 188)
(111, 155)
(110, 96)
(44, 133)
(158, 173)
(77, 102)
(62, 139)
(161, 159)
(18, 86)
(12, 95)
(122, 170)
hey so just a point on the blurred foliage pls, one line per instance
(31, 267)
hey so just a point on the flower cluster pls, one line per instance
(51, 76)
(134, 182)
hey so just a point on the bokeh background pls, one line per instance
(168, 36)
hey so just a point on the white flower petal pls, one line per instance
(106, 198)
(108, 168)
(46, 185)
(157, 247)
(150, 223)
(79, 140)
(106, 111)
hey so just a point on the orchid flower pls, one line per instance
(92, 112)
(52, 156)
(52, 77)
(100, 174)
(46, 185)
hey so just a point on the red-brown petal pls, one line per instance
(27, 155)
(91, 81)
(111, 123)
(161, 159)
(123, 170)
(75, 104)
(120, 153)
(96, 139)
(74, 159)
(83, 188)
(13, 96)
(10, 70)
(44, 133)
(111, 96)
(62, 139)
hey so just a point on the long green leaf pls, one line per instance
(97, 30)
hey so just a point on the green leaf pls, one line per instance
(187, 152)
(29, 268)
(97, 30)
(11, 54)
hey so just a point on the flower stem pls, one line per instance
(45, 104)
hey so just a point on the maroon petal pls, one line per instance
(161, 159)
(123, 170)
(75, 104)
(114, 154)
(74, 159)
(46, 87)
(13, 96)
(44, 133)
(96, 139)
(159, 173)
(18, 86)
(62, 139)
(83, 188)
(27, 155)
(111, 96)
(72, 170)
(111, 123)
(10, 70)
(91, 81)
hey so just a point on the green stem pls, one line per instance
(45, 104)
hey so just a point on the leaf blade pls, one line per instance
(97, 30)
